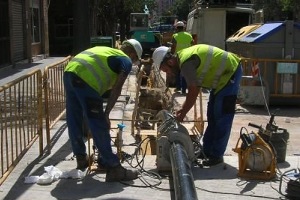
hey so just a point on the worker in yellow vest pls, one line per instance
(87, 77)
(180, 40)
(214, 69)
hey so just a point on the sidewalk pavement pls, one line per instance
(218, 182)
(10, 73)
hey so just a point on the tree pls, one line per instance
(279, 9)
(291, 8)
(273, 9)
(181, 8)
(107, 17)
(81, 17)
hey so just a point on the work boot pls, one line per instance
(212, 161)
(177, 90)
(202, 155)
(82, 162)
(119, 173)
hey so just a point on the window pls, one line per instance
(35, 21)
(253, 35)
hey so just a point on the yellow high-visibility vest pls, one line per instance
(216, 67)
(183, 40)
(92, 67)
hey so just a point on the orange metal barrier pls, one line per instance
(55, 93)
(280, 76)
(20, 119)
(24, 104)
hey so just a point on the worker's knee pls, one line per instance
(94, 108)
(229, 104)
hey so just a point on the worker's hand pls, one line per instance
(180, 115)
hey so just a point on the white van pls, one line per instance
(212, 25)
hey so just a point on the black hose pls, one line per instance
(182, 174)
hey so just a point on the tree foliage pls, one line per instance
(181, 8)
(278, 9)
(107, 15)
(273, 9)
(118, 12)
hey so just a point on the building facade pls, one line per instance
(24, 31)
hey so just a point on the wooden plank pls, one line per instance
(148, 147)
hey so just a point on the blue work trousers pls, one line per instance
(85, 105)
(220, 114)
(181, 83)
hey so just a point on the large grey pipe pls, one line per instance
(182, 173)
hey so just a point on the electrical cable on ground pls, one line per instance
(155, 177)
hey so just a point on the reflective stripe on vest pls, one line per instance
(220, 70)
(102, 66)
(216, 66)
(92, 70)
(101, 81)
(206, 64)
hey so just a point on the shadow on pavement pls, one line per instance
(19, 68)
(88, 187)
(36, 167)
(284, 111)
(221, 171)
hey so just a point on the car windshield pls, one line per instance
(163, 28)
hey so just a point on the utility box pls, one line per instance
(276, 40)
(267, 43)
(242, 32)
(102, 41)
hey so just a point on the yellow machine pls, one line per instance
(257, 159)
